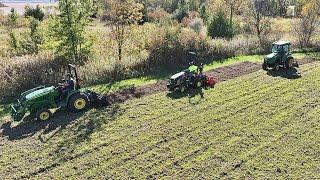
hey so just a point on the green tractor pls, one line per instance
(281, 57)
(40, 100)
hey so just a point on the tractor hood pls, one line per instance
(271, 56)
(18, 110)
(39, 93)
(178, 75)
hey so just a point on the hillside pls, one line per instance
(258, 125)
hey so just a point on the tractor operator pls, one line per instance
(192, 68)
(67, 86)
(69, 82)
(192, 71)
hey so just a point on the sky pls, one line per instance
(25, 1)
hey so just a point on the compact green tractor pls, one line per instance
(281, 57)
(40, 100)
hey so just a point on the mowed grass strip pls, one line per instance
(253, 126)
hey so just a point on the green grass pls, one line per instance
(257, 126)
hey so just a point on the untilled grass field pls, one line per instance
(255, 126)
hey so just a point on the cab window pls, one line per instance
(286, 48)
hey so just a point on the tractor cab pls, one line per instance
(280, 57)
(281, 47)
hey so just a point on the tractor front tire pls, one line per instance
(182, 88)
(276, 67)
(265, 66)
(198, 83)
(289, 63)
(43, 114)
(78, 102)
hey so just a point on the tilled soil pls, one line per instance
(220, 74)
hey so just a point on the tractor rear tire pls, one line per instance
(198, 83)
(289, 63)
(78, 102)
(43, 114)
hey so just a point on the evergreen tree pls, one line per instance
(203, 13)
(220, 26)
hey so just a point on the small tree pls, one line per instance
(220, 26)
(233, 5)
(13, 42)
(308, 23)
(36, 13)
(33, 39)
(13, 17)
(257, 20)
(203, 13)
(69, 29)
(123, 14)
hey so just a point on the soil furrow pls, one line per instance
(220, 74)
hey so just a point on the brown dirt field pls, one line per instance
(220, 74)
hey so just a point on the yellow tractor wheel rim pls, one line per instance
(290, 62)
(199, 84)
(80, 103)
(44, 116)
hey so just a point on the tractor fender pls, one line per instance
(39, 105)
(72, 93)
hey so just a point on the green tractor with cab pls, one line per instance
(281, 57)
(38, 101)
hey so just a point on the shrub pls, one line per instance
(191, 16)
(159, 15)
(220, 26)
(193, 5)
(36, 13)
(26, 43)
(197, 25)
(23, 73)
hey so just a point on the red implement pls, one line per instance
(211, 82)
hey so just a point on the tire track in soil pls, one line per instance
(220, 74)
